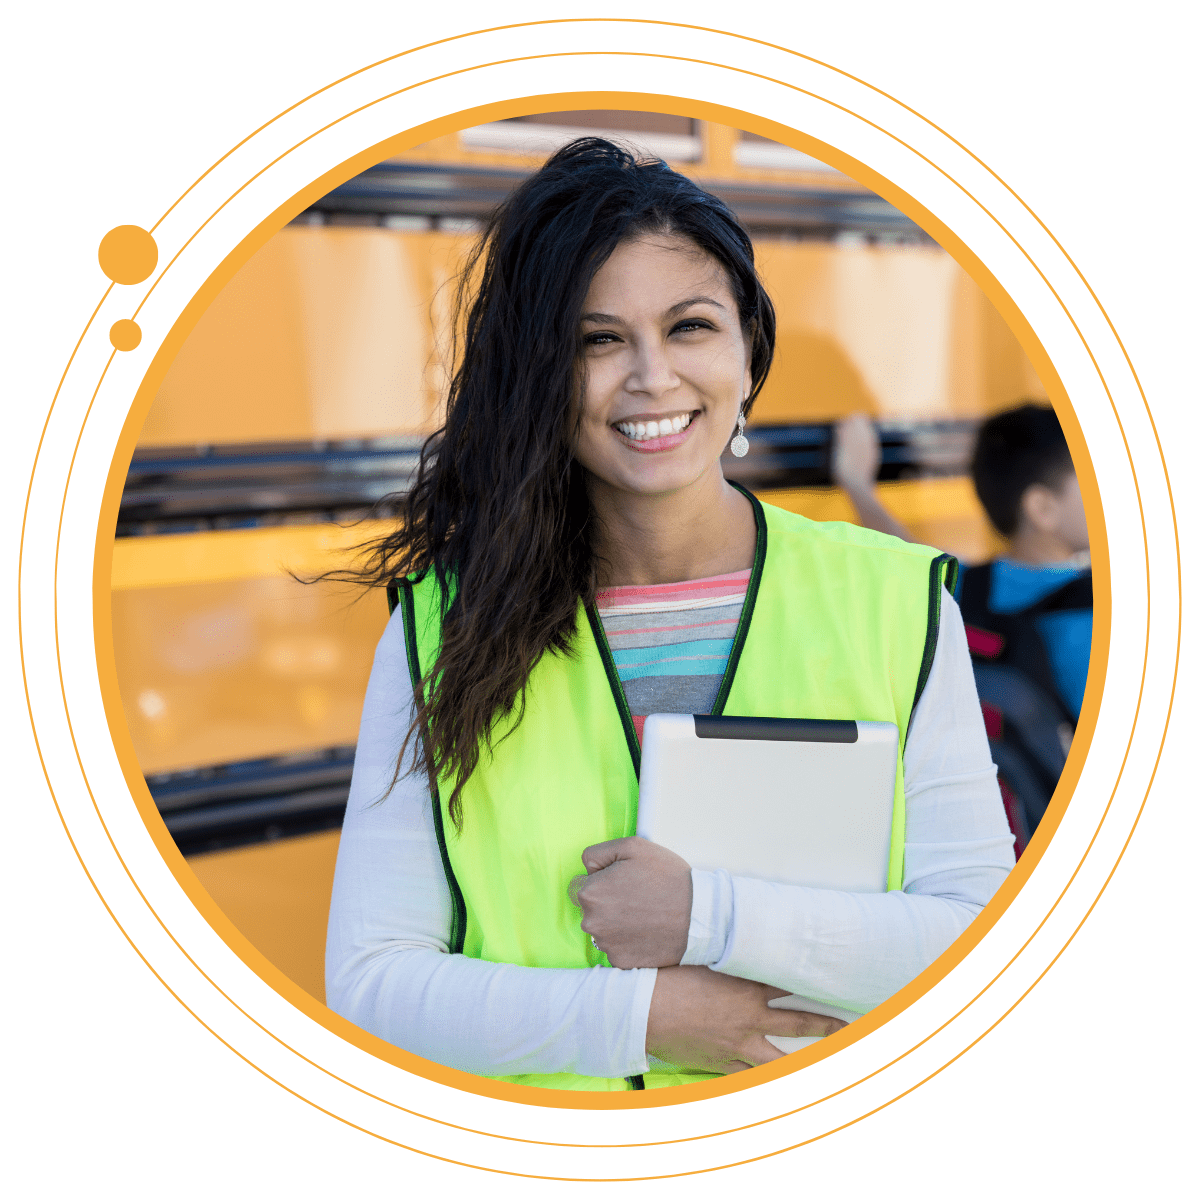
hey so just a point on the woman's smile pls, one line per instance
(648, 434)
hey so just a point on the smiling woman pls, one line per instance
(664, 380)
(571, 560)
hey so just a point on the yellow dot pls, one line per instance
(125, 335)
(128, 254)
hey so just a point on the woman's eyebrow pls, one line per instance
(678, 308)
(608, 318)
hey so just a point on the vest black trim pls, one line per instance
(618, 692)
(933, 621)
(743, 629)
(458, 922)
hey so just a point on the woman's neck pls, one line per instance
(702, 530)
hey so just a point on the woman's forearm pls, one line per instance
(388, 966)
(846, 949)
(388, 969)
(497, 1019)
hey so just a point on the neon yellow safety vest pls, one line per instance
(839, 622)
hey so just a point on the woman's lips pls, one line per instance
(654, 445)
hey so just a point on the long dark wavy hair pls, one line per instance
(498, 511)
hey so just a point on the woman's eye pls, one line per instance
(691, 326)
(599, 339)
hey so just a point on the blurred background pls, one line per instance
(304, 392)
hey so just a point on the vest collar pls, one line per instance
(739, 638)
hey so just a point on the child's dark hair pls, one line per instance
(1015, 450)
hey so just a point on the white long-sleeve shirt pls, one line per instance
(389, 969)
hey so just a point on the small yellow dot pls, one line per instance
(125, 335)
(128, 254)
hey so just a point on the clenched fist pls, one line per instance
(637, 902)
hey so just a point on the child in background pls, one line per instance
(1027, 485)
(1028, 613)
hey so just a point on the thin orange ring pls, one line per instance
(1056, 901)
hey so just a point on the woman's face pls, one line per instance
(665, 366)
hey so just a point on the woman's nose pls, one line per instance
(652, 370)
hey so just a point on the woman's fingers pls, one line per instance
(756, 1052)
(604, 854)
(814, 1025)
(636, 901)
(788, 1022)
(705, 1020)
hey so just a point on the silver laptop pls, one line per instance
(792, 801)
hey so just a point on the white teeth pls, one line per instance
(642, 431)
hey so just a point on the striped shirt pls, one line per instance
(671, 641)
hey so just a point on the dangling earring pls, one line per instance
(738, 446)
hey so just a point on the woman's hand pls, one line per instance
(707, 1021)
(637, 902)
